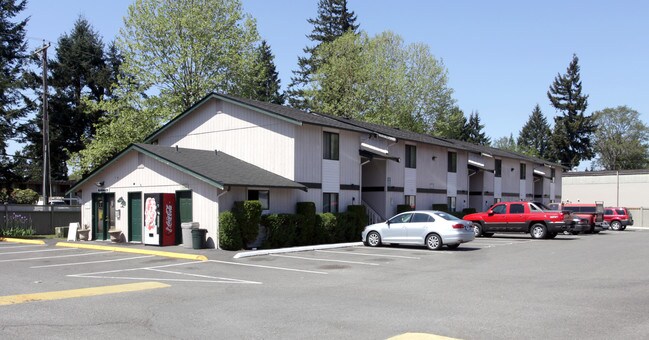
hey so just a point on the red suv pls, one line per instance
(618, 217)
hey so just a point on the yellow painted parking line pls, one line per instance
(20, 240)
(76, 293)
(133, 251)
(420, 336)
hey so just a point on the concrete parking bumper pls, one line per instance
(295, 249)
(133, 251)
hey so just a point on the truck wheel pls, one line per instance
(477, 229)
(616, 225)
(538, 231)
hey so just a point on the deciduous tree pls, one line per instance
(622, 139)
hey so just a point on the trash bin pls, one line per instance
(187, 228)
(198, 238)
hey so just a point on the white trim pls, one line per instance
(374, 148)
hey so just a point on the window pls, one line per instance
(329, 202)
(497, 200)
(516, 209)
(499, 209)
(552, 174)
(411, 156)
(451, 204)
(330, 144)
(422, 218)
(263, 196)
(401, 218)
(535, 208)
(452, 162)
(411, 201)
(523, 170)
(498, 171)
(609, 212)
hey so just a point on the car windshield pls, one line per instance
(446, 216)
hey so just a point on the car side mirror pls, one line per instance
(387, 222)
(490, 212)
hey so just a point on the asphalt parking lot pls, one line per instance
(505, 287)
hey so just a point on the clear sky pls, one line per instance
(501, 56)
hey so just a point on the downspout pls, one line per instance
(218, 226)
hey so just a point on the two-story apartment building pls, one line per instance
(225, 149)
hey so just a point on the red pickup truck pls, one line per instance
(591, 215)
(521, 217)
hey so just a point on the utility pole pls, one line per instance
(47, 186)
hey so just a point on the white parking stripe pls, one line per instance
(269, 267)
(205, 276)
(419, 250)
(23, 246)
(159, 279)
(35, 251)
(324, 260)
(52, 257)
(89, 262)
(367, 254)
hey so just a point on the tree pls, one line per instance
(79, 72)
(474, 131)
(450, 124)
(622, 139)
(380, 80)
(571, 140)
(506, 143)
(334, 20)
(263, 83)
(174, 53)
(534, 137)
(12, 64)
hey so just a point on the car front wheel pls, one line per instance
(373, 239)
(538, 231)
(616, 225)
(433, 242)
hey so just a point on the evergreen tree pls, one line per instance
(474, 130)
(334, 19)
(534, 137)
(450, 124)
(264, 83)
(79, 73)
(571, 140)
(12, 64)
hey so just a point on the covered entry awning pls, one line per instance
(477, 166)
(373, 155)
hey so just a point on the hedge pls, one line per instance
(229, 232)
(248, 216)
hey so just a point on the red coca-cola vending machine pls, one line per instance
(160, 219)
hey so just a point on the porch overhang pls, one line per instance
(372, 155)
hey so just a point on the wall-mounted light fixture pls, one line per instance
(512, 169)
(99, 184)
(434, 157)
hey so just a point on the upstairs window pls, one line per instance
(330, 145)
(498, 168)
(411, 156)
(523, 170)
(452, 161)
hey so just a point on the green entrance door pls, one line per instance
(184, 209)
(135, 217)
(103, 214)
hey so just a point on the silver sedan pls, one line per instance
(431, 228)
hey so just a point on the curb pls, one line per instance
(134, 251)
(295, 249)
(20, 240)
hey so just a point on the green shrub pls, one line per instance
(467, 211)
(281, 230)
(229, 232)
(326, 227)
(4, 196)
(345, 228)
(248, 216)
(26, 196)
(440, 207)
(361, 219)
(16, 232)
(306, 232)
(403, 208)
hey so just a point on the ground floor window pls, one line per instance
(451, 204)
(411, 201)
(263, 196)
(329, 202)
(497, 200)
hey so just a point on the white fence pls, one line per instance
(640, 217)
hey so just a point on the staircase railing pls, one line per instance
(372, 215)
